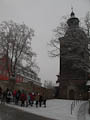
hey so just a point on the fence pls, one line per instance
(74, 104)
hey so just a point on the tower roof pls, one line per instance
(72, 14)
(73, 21)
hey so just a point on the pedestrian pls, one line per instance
(23, 98)
(37, 99)
(40, 100)
(27, 99)
(18, 94)
(8, 96)
(0, 94)
(44, 99)
(14, 96)
(4, 96)
(32, 98)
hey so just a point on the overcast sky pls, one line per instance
(43, 16)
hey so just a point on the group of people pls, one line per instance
(20, 97)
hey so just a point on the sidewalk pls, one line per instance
(59, 110)
(83, 112)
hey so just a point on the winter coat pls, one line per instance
(23, 97)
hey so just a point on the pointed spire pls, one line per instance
(73, 21)
(72, 13)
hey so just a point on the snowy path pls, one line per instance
(83, 112)
(56, 109)
(59, 110)
(8, 113)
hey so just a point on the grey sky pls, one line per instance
(43, 16)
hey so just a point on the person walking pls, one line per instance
(1, 94)
(40, 100)
(9, 96)
(23, 98)
(18, 94)
(44, 99)
(14, 96)
(28, 100)
(37, 99)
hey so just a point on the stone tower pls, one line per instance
(74, 61)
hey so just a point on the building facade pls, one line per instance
(74, 61)
(22, 76)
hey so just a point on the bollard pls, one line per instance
(71, 109)
(74, 103)
(89, 106)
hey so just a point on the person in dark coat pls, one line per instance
(0, 93)
(4, 96)
(23, 98)
(37, 99)
(9, 94)
(14, 95)
(44, 99)
(40, 100)
(18, 94)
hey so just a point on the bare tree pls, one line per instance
(15, 44)
(87, 23)
(74, 54)
(48, 84)
(59, 32)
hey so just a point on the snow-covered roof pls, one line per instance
(88, 83)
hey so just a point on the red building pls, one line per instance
(4, 72)
(22, 76)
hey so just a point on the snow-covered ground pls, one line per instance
(87, 115)
(56, 109)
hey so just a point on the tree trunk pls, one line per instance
(12, 82)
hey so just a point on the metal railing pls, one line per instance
(74, 104)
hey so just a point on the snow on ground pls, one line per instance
(87, 115)
(56, 109)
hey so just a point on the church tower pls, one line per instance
(74, 61)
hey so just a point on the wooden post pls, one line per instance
(89, 100)
(71, 108)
